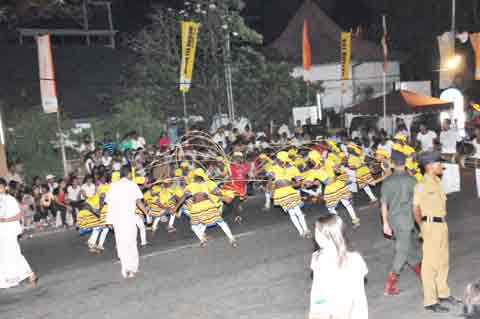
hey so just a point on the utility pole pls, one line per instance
(85, 20)
(3, 153)
(228, 77)
(454, 9)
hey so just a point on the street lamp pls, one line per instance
(454, 63)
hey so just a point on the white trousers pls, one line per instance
(142, 229)
(298, 219)
(98, 233)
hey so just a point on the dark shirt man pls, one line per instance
(398, 221)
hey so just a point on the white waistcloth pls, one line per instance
(14, 268)
(121, 199)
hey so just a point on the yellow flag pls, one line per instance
(345, 54)
(189, 45)
(476, 107)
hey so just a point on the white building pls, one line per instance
(366, 70)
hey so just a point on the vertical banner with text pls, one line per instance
(189, 45)
(345, 54)
(47, 75)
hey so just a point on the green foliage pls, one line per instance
(30, 138)
(132, 115)
(262, 90)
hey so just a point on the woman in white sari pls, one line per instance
(338, 290)
(13, 266)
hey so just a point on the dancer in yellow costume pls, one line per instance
(282, 177)
(92, 218)
(383, 157)
(161, 201)
(336, 190)
(363, 175)
(296, 159)
(202, 204)
(402, 146)
(413, 169)
(311, 180)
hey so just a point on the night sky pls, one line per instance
(269, 17)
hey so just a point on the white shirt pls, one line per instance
(8, 208)
(426, 140)
(220, 138)
(338, 291)
(73, 193)
(89, 189)
(116, 166)
(449, 140)
(138, 143)
(106, 161)
(356, 134)
(284, 129)
(86, 147)
(121, 198)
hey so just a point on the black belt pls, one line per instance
(430, 219)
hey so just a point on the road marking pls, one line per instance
(180, 248)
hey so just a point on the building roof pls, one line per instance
(324, 36)
(400, 102)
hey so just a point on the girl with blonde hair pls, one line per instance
(338, 290)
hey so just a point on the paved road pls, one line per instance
(266, 277)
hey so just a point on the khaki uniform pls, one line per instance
(431, 199)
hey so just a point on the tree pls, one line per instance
(131, 115)
(260, 88)
(31, 138)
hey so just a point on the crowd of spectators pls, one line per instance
(49, 201)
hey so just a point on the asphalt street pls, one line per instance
(267, 276)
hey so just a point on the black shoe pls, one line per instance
(452, 301)
(437, 308)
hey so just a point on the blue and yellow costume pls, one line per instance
(285, 196)
(88, 221)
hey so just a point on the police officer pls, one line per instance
(429, 203)
(398, 221)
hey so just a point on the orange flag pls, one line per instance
(47, 75)
(307, 54)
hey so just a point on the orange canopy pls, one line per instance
(401, 102)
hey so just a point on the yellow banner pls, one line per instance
(189, 45)
(345, 54)
(476, 107)
(47, 75)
